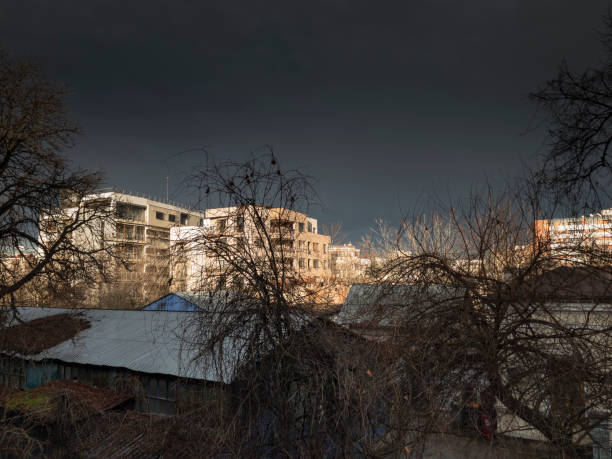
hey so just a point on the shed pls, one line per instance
(157, 348)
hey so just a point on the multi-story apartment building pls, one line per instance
(347, 264)
(139, 230)
(305, 251)
(565, 233)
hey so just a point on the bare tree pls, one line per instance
(38, 236)
(578, 111)
(334, 231)
(302, 386)
(45, 217)
(483, 305)
(250, 248)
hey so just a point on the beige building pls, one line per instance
(305, 251)
(139, 230)
(347, 264)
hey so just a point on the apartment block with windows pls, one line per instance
(347, 264)
(562, 232)
(305, 251)
(139, 230)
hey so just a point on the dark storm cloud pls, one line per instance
(381, 102)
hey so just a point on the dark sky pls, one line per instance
(383, 103)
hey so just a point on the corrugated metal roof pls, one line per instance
(143, 341)
(386, 305)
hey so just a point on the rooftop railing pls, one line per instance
(114, 189)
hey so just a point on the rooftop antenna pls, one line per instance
(166, 188)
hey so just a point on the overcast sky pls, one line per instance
(383, 103)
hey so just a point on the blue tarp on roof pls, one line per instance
(192, 301)
(172, 302)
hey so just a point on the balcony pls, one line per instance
(285, 227)
(125, 240)
(157, 235)
(130, 212)
(157, 251)
(127, 219)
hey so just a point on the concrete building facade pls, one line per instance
(138, 228)
(305, 251)
(570, 237)
(595, 228)
(347, 264)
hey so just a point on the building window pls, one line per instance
(316, 264)
(160, 215)
(240, 223)
(130, 252)
(309, 227)
(120, 231)
(301, 227)
(221, 224)
(184, 219)
(129, 232)
(127, 211)
(171, 217)
(302, 263)
(201, 222)
(152, 234)
(324, 248)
